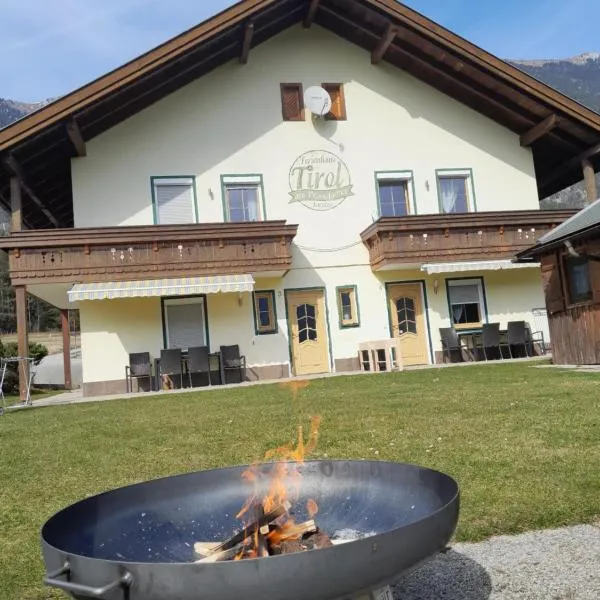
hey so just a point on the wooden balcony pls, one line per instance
(399, 242)
(159, 251)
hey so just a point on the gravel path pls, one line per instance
(561, 564)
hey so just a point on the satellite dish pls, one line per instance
(317, 100)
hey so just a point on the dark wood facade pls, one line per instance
(156, 251)
(574, 326)
(398, 241)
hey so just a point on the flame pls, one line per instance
(283, 486)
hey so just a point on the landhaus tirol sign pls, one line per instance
(320, 180)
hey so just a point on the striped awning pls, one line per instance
(184, 286)
(487, 265)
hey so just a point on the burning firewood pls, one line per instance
(222, 555)
(270, 527)
(205, 548)
(249, 530)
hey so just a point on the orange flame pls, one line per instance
(283, 485)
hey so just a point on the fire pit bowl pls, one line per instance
(137, 542)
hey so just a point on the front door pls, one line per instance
(408, 322)
(307, 325)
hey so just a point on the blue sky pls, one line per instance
(50, 47)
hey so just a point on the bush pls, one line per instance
(10, 350)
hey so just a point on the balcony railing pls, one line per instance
(155, 251)
(396, 242)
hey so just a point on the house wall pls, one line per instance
(111, 329)
(230, 122)
(395, 122)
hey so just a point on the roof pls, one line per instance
(581, 224)
(39, 147)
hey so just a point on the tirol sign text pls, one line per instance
(320, 180)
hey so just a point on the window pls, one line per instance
(306, 320)
(265, 315)
(243, 198)
(394, 193)
(579, 282)
(184, 322)
(455, 191)
(347, 302)
(466, 302)
(407, 315)
(338, 101)
(174, 200)
(292, 102)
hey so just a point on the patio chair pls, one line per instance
(490, 340)
(170, 365)
(139, 367)
(198, 361)
(537, 337)
(518, 335)
(232, 363)
(450, 344)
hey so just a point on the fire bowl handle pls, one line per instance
(78, 588)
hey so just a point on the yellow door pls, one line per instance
(408, 322)
(306, 319)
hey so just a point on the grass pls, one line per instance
(521, 441)
(12, 399)
(51, 339)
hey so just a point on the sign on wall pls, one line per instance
(320, 180)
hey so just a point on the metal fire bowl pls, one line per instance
(136, 542)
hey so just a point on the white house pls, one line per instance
(196, 197)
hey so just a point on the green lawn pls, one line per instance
(12, 399)
(523, 443)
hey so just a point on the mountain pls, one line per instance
(577, 77)
(11, 111)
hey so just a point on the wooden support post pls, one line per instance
(589, 176)
(14, 168)
(310, 15)
(572, 163)
(384, 43)
(66, 335)
(22, 338)
(247, 43)
(16, 219)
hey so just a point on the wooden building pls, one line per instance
(570, 258)
(198, 196)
